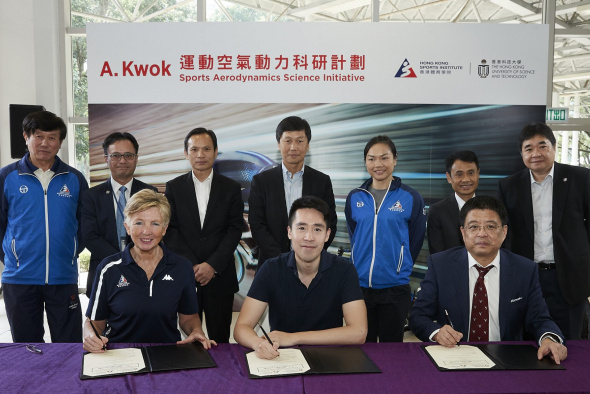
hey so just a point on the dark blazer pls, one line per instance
(267, 211)
(571, 225)
(443, 226)
(446, 286)
(99, 224)
(216, 242)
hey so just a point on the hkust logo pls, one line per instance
(483, 69)
(405, 70)
(64, 191)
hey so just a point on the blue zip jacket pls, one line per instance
(40, 230)
(386, 243)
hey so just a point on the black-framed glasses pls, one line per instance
(118, 156)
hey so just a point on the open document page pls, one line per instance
(459, 357)
(111, 362)
(290, 362)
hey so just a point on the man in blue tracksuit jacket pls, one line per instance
(386, 224)
(39, 227)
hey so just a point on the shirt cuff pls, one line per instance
(554, 337)
(433, 334)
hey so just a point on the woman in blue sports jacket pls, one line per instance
(386, 224)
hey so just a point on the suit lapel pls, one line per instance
(507, 284)
(560, 189)
(193, 206)
(453, 210)
(108, 204)
(461, 278)
(526, 197)
(214, 195)
(281, 200)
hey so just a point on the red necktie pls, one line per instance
(480, 315)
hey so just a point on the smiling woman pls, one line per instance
(139, 294)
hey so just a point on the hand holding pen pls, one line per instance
(266, 349)
(94, 343)
(447, 336)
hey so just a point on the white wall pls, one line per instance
(30, 62)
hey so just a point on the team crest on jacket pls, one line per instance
(64, 192)
(123, 282)
(397, 207)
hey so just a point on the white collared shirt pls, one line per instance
(460, 201)
(542, 194)
(293, 184)
(117, 195)
(202, 190)
(492, 282)
(44, 177)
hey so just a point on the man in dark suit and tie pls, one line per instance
(549, 222)
(273, 191)
(103, 205)
(205, 227)
(484, 293)
(443, 228)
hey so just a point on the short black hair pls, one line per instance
(463, 155)
(484, 202)
(380, 139)
(311, 202)
(197, 131)
(293, 123)
(44, 121)
(117, 136)
(531, 130)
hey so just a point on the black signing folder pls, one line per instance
(155, 358)
(331, 360)
(505, 357)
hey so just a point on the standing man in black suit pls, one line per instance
(443, 228)
(205, 227)
(273, 191)
(101, 205)
(549, 222)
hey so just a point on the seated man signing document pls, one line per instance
(484, 293)
(308, 291)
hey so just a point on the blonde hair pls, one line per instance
(144, 200)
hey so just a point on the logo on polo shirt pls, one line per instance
(64, 192)
(122, 282)
(360, 204)
(397, 207)
(167, 277)
(23, 189)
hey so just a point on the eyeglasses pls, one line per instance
(118, 156)
(34, 349)
(488, 228)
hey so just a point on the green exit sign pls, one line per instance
(556, 115)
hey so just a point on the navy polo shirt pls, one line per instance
(294, 307)
(138, 310)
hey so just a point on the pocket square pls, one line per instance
(516, 299)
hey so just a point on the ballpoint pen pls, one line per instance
(449, 322)
(265, 334)
(104, 346)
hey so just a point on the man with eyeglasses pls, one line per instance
(482, 292)
(103, 204)
(548, 207)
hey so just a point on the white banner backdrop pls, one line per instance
(317, 63)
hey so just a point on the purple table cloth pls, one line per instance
(405, 368)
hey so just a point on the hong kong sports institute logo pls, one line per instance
(405, 70)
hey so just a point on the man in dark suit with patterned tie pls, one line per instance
(443, 228)
(482, 293)
(103, 205)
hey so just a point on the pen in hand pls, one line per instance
(449, 322)
(104, 346)
(265, 334)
